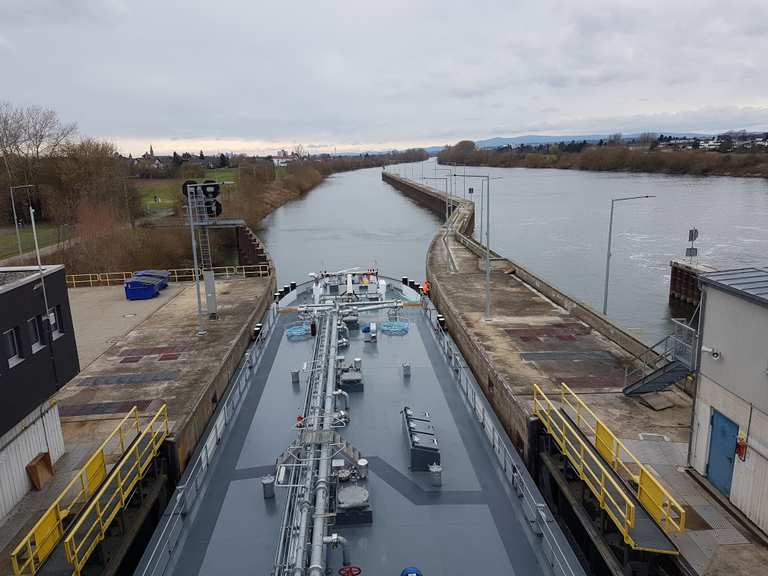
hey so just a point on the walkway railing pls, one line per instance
(612, 496)
(92, 525)
(176, 275)
(556, 549)
(35, 548)
(654, 497)
(186, 496)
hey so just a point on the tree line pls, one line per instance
(609, 156)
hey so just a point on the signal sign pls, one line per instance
(185, 187)
(210, 188)
(213, 208)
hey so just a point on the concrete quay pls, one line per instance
(144, 353)
(539, 335)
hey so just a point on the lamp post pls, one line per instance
(15, 217)
(608, 251)
(445, 180)
(487, 178)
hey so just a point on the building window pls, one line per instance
(35, 333)
(12, 347)
(54, 317)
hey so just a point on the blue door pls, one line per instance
(722, 451)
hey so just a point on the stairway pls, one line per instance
(661, 378)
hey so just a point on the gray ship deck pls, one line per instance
(473, 524)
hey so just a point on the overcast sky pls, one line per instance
(243, 75)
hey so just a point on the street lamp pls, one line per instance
(15, 218)
(608, 251)
(487, 179)
(445, 180)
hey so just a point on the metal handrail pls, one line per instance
(175, 275)
(38, 544)
(621, 508)
(654, 497)
(116, 491)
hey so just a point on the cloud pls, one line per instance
(350, 74)
(32, 13)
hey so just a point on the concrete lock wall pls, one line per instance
(185, 440)
(511, 410)
(249, 247)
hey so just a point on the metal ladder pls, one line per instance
(200, 218)
(204, 242)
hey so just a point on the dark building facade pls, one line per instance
(39, 353)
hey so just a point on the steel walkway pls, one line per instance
(636, 524)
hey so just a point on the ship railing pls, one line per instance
(178, 513)
(556, 549)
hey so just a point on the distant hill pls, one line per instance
(546, 139)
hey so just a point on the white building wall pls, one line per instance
(38, 432)
(736, 385)
(738, 328)
(749, 491)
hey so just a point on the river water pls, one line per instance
(351, 219)
(554, 222)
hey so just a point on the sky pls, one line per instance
(254, 77)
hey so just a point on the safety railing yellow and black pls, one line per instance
(38, 544)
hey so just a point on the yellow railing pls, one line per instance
(35, 548)
(654, 497)
(611, 495)
(176, 275)
(92, 525)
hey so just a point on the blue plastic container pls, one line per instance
(142, 287)
(161, 274)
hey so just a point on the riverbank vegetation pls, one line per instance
(610, 157)
(107, 212)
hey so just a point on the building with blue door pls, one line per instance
(729, 437)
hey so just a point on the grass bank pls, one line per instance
(47, 235)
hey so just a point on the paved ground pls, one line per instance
(530, 339)
(143, 360)
(102, 315)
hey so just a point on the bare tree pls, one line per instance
(27, 135)
(44, 132)
(11, 133)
